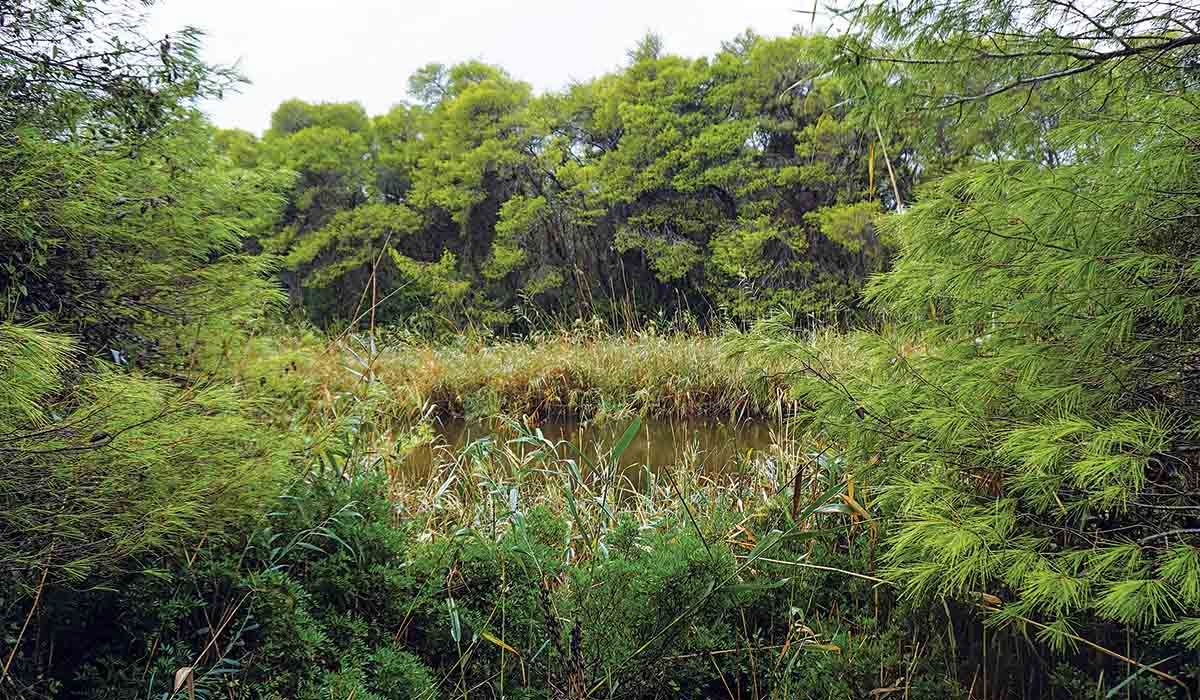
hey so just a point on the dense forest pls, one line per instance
(946, 258)
(717, 187)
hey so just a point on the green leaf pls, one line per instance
(1116, 689)
(626, 439)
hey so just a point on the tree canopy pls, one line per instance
(729, 185)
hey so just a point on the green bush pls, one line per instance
(1025, 413)
(332, 594)
(104, 474)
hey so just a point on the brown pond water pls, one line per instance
(717, 447)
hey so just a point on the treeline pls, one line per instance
(729, 185)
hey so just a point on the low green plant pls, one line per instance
(339, 589)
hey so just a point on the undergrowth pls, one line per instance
(343, 592)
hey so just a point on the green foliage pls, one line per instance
(121, 241)
(242, 147)
(118, 468)
(34, 362)
(673, 182)
(122, 249)
(1025, 414)
(80, 64)
(296, 115)
(1015, 434)
(333, 596)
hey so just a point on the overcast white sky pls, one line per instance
(364, 50)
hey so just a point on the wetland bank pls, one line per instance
(847, 365)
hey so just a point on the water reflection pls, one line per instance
(715, 447)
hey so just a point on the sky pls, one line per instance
(364, 50)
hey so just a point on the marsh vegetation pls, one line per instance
(862, 365)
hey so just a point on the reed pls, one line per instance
(664, 376)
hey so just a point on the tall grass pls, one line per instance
(664, 376)
(494, 480)
(563, 373)
(389, 388)
(524, 566)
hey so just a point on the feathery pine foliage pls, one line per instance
(122, 247)
(115, 469)
(121, 238)
(119, 221)
(1027, 414)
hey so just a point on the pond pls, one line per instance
(714, 446)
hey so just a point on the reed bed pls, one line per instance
(676, 577)
(489, 486)
(553, 375)
(664, 376)
(389, 392)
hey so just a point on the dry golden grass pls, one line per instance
(664, 376)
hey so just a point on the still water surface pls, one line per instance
(715, 446)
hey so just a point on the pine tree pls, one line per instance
(121, 253)
(1027, 411)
